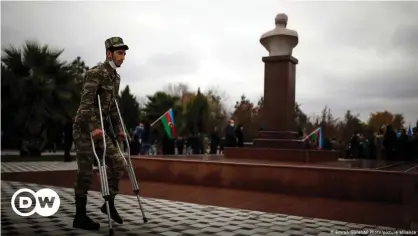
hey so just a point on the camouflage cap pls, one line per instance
(115, 42)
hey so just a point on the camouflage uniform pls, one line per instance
(100, 80)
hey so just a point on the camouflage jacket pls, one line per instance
(100, 80)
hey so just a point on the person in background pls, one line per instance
(200, 138)
(214, 141)
(221, 145)
(137, 139)
(138, 132)
(190, 144)
(414, 143)
(230, 135)
(355, 145)
(379, 144)
(205, 144)
(389, 143)
(180, 145)
(146, 139)
(239, 132)
(195, 143)
(403, 147)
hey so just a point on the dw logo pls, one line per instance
(47, 202)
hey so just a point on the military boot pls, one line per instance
(81, 220)
(113, 212)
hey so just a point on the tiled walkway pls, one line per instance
(165, 217)
(7, 167)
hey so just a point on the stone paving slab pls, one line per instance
(12, 167)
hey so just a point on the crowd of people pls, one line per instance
(386, 144)
(144, 141)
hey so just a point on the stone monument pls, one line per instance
(279, 87)
(279, 139)
(280, 41)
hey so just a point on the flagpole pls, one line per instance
(320, 138)
(310, 134)
(409, 132)
(153, 123)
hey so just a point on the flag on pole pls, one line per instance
(316, 137)
(168, 122)
(320, 139)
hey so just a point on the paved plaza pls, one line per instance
(165, 217)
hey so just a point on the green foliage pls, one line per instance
(217, 112)
(301, 118)
(37, 89)
(129, 108)
(157, 104)
(197, 118)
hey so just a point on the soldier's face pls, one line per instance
(118, 57)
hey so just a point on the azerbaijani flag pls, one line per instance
(316, 137)
(168, 122)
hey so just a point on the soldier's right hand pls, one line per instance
(97, 134)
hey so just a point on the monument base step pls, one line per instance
(277, 135)
(281, 155)
(279, 143)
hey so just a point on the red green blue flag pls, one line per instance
(316, 137)
(168, 123)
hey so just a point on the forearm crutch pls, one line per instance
(131, 173)
(102, 168)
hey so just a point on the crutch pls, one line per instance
(102, 168)
(131, 173)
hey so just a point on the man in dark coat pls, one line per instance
(230, 136)
(215, 140)
(390, 142)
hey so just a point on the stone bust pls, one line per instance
(280, 41)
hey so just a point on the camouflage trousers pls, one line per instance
(85, 158)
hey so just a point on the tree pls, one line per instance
(217, 111)
(302, 120)
(197, 114)
(398, 121)
(129, 108)
(257, 116)
(351, 124)
(176, 89)
(38, 88)
(244, 115)
(328, 123)
(379, 119)
(77, 70)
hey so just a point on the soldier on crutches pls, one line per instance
(100, 88)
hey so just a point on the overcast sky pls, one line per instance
(360, 56)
